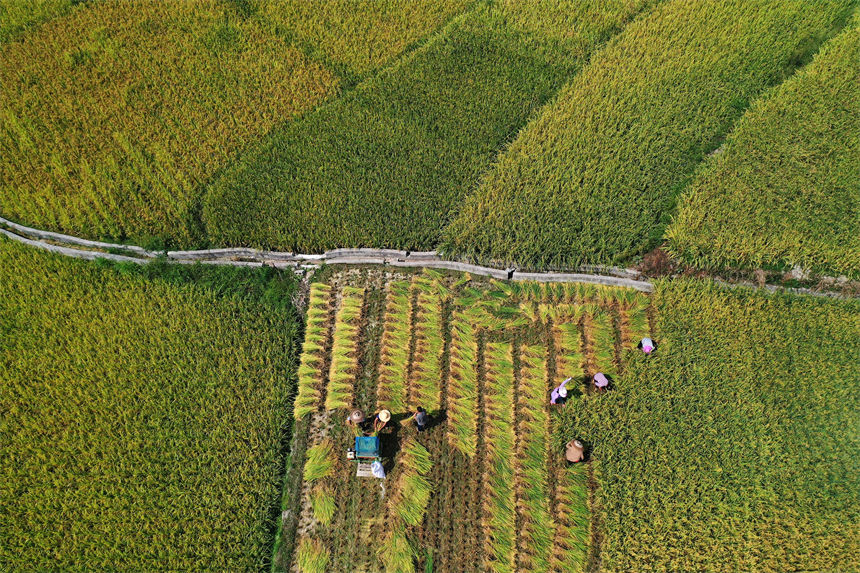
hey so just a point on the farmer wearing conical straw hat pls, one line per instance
(559, 394)
(574, 451)
(381, 419)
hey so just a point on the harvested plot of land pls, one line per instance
(595, 176)
(786, 189)
(388, 164)
(486, 486)
(734, 447)
(143, 413)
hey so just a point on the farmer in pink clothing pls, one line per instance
(646, 345)
(559, 394)
(600, 380)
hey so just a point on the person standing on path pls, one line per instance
(421, 419)
(559, 394)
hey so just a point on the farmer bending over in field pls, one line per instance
(646, 345)
(601, 381)
(559, 394)
(356, 421)
(381, 419)
(421, 419)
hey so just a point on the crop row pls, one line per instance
(536, 526)
(798, 154)
(462, 402)
(600, 331)
(396, 334)
(387, 163)
(310, 371)
(595, 176)
(426, 379)
(499, 500)
(344, 351)
(406, 507)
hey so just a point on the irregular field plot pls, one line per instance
(112, 116)
(142, 420)
(786, 189)
(386, 165)
(595, 176)
(484, 488)
(734, 447)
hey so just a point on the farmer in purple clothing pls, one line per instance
(559, 394)
(600, 380)
(647, 345)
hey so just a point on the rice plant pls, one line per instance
(391, 390)
(310, 369)
(499, 498)
(569, 358)
(571, 540)
(320, 462)
(531, 466)
(312, 556)
(463, 384)
(323, 505)
(601, 330)
(736, 366)
(595, 176)
(388, 163)
(427, 367)
(344, 352)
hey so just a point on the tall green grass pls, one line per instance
(734, 447)
(143, 414)
(595, 176)
(388, 163)
(785, 189)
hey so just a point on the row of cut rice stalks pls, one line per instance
(310, 372)
(344, 352)
(429, 342)
(394, 362)
(406, 507)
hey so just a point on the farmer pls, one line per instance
(559, 394)
(574, 451)
(646, 345)
(421, 419)
(356, 420)
(381, 419)
(601, 381)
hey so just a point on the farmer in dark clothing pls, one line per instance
(421, 419)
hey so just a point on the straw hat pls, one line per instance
(356, 417)
(574, 451)
(384, 415)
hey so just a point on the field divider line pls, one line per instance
(76, 247)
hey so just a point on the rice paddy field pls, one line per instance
(729, 449)
(143, 414)
(387, 164)
(786, 189)
(733, 447)
(179, 417)
(595, 176)
(485, 488)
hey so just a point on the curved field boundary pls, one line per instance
(70, 246)
(76, 247)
